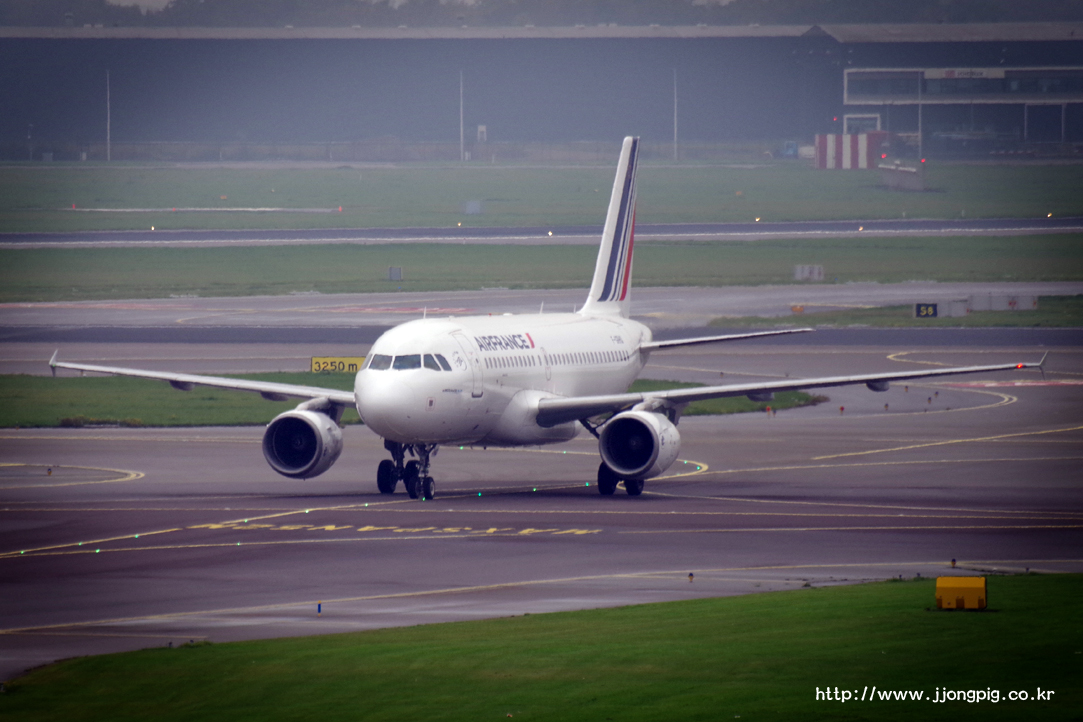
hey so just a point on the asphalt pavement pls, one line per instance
(114, 539)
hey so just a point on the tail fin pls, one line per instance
(609, 291)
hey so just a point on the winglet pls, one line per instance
(1040, 365)
(52, 362)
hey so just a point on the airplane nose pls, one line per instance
(384, 404)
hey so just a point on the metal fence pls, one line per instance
(387, 150)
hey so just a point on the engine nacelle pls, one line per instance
(302, 444)
(639, 444)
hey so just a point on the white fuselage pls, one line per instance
(498, 368)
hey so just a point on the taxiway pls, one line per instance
(114, 539)
(548, 235)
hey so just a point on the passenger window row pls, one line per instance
(558, 359)
(437, 362)
(507, 362)
(592, 357)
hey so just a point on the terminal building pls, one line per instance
(955, 109)
(947, 90)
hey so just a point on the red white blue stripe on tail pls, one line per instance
(613, 270)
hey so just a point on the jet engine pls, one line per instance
(639, 444)
(302, 444)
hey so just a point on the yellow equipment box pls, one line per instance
(961, 593)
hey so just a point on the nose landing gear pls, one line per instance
(414, 473)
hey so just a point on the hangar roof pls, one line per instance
(985, 32)
(408, 33)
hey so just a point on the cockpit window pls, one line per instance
(430, 362)
(405, 363)
(443, 362)
(380, 362)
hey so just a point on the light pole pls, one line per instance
(921, 135)
(674, 114)
(462, 137)
(108, 121)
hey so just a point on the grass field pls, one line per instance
(1053, 311)
(54, 274)
(42, 401)
(750, 658)
(40, 197)
(30, 401)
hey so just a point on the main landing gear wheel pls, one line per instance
(385, 477)
(427, 487)
(410, 478)
(634, 487)
(607, 480)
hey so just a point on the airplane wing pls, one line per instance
(267, 389)
(554, 411)
(675, 343)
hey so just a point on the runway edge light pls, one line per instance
(961, 593)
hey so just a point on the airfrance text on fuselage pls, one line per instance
(505, 343)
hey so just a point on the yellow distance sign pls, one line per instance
(337, 364)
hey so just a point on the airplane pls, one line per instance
(514, 380)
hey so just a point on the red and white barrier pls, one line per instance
(849, 151)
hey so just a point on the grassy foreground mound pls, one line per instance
(754, 657)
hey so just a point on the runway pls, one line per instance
(114, 539)
(551, 235)
(359, 318)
